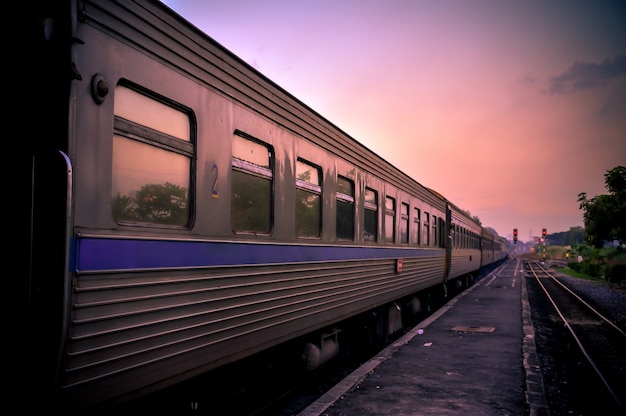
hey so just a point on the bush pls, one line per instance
(591, 267)
(616, 273)
(608, 263)
(574, 265)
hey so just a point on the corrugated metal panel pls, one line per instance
(127, 325)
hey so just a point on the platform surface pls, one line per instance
(474, 356)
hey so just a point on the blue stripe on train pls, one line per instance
(93, 254)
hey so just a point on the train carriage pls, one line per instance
(492, 247)
(465, 241)
(187, 212)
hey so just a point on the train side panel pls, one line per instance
(157, 297)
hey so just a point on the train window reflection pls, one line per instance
(308, 200)
(152, 160)
(426, 235)
(143, 110)
(371, 215)
(418, 229)
(345, 209)
(149, 184)
(404, 223)
(390, 219)
(251, 192)
(250, 151)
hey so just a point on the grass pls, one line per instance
(574, 273)
(578, 275)
(607, 264)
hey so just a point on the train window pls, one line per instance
(418, 230)
(433, 239)
(390, 219)
(308, 200)
(345, 209)
(404, 223)
(251, 193)
(439, 230)
(151, 161)
(371, 215)
(426, 231)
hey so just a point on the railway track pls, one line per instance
(602, 343)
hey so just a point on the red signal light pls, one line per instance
(544, 232)
(515, 235)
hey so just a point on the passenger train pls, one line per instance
(186, 212)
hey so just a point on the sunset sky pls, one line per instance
(509, 109)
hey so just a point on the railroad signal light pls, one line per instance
(515, 235)
(543, 233)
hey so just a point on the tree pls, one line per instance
(154, 203)
(605, 215)
(575, 236)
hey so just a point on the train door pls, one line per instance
(45, 172)
(48, 263)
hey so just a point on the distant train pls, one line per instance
(186, 212)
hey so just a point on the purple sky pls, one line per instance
(510, 109)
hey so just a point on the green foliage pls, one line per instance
(308, 206)
(250, 203)
(573, 237)
(607, 263)
(154, 203)
(556, 252)
(589, 267)
(616, 273)
(570, 271)
(605, 215)
(162, 203)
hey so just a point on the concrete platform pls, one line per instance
(474, 356)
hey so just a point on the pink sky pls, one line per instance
(509, 109)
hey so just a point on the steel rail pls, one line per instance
(533, 270)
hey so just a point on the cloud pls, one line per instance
(583, 75)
